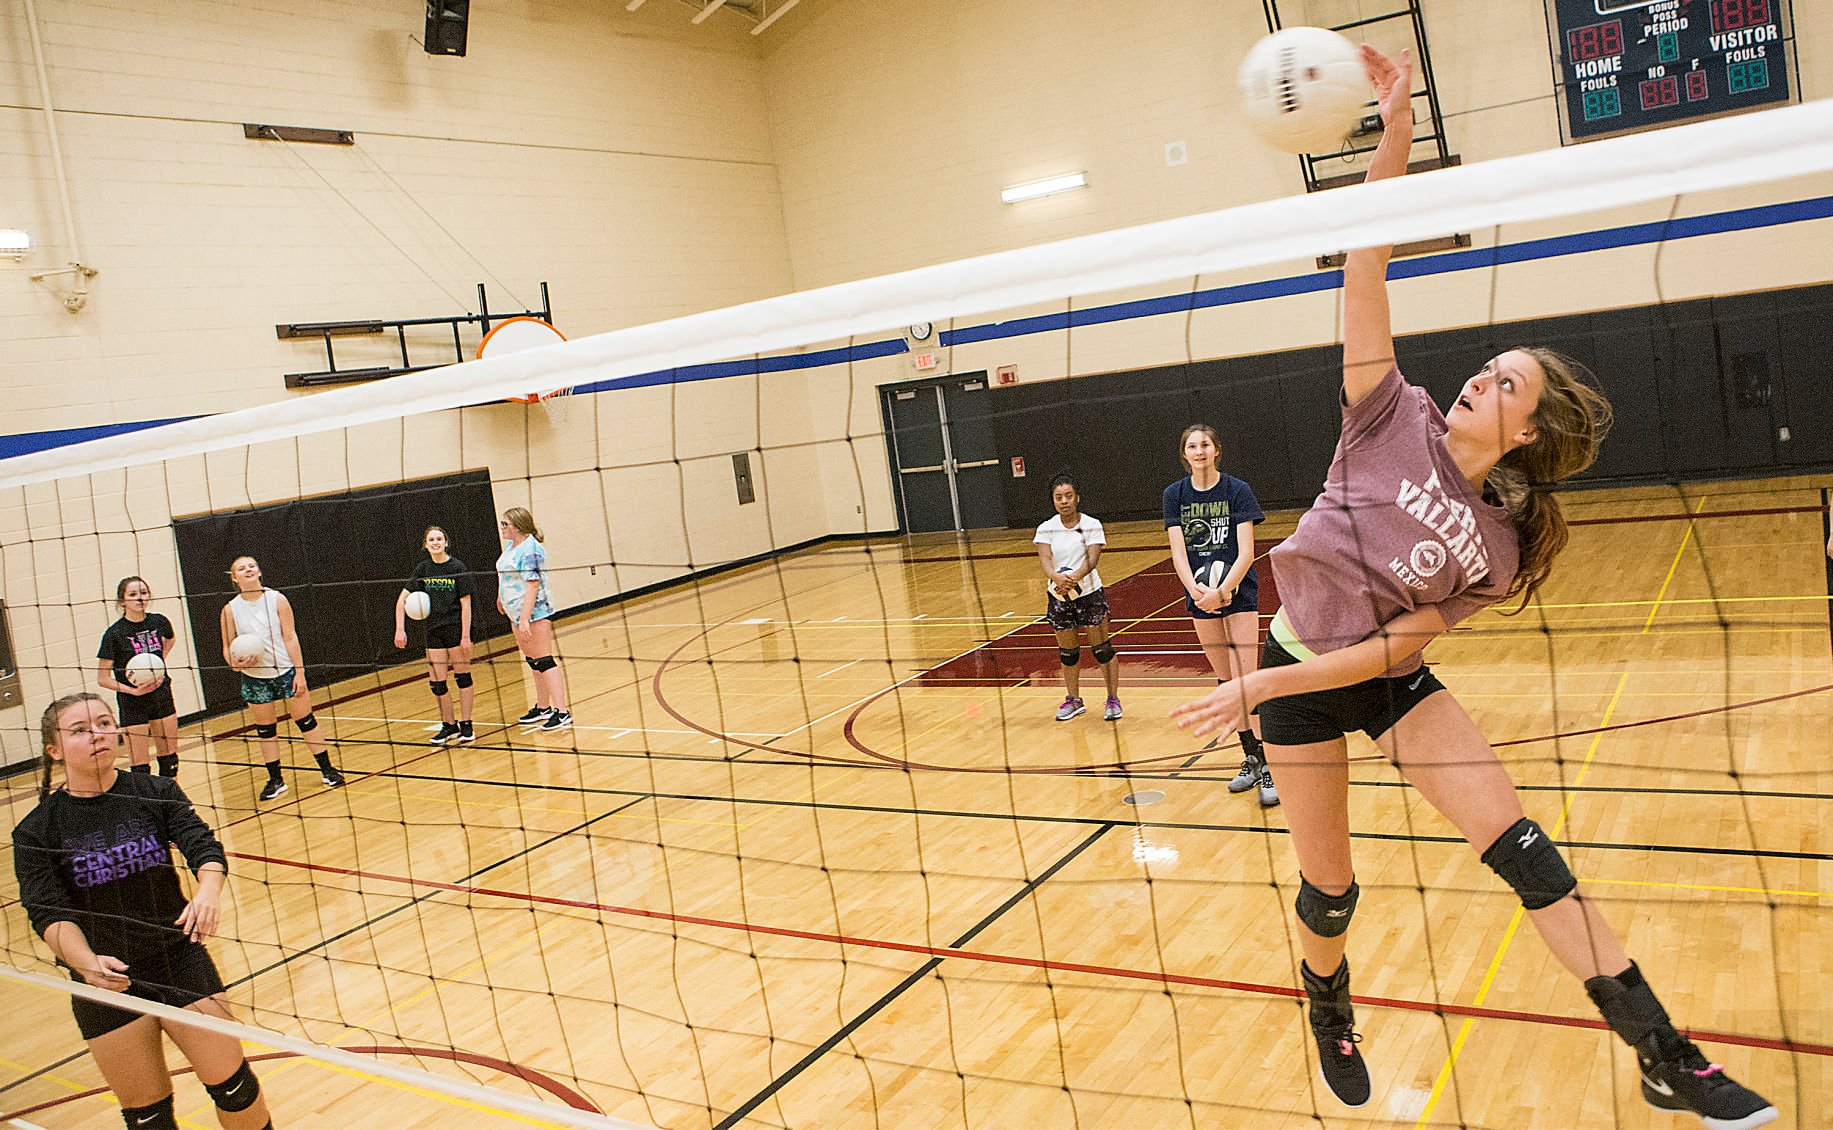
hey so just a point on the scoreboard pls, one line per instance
(1625, 65)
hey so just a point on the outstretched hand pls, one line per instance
(1393, 83)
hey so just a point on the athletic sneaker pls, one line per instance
(558, 720)
(466, 733)
(331, 777)
(1071, 707)
(1248, 776)
(1682, 1079)
(275, 787)
(1675, 1076)
(1111, 713)
(1333, 1024)
(1269, 796)
(448, 732)
(535, 716)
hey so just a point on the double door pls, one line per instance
(948, 470)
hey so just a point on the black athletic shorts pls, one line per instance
(1321, 716)
(442, 636)
(139, 709)
(180, 976)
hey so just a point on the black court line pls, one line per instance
(909, 982)
(363, 925)
(1042, 818)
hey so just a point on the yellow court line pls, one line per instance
(1708, 887)
(1514, 924)
(1684, 542)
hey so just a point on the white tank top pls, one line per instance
(261, 618)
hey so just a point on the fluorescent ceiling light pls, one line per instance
(14, 242)
(1049, 186)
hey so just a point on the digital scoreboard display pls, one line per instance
(1626, 65)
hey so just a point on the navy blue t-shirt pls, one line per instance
(1208, 518)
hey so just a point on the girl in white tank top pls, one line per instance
(260, 618)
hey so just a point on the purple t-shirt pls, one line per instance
(1397, 528)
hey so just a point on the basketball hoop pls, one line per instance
(513, 335)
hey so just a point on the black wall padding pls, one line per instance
(1701, 389)
(340, 560)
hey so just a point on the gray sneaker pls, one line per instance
(1248, 777)
(1269, 796)
(1071, 707)
(1111, 712)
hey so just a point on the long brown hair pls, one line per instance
(47, 732)
(523, 521)
(1570, 422)
(121, 589)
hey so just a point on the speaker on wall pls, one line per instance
(446, 24)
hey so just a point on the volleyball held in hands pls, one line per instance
(1303, 89)
(245, 651)
(419, 606)
(146, 669)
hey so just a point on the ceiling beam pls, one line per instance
(773, 16)
(702, 14)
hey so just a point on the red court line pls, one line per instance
(529, 1075)
(1156, 976)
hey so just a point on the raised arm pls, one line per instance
(1368, 336)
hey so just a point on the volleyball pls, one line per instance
(419, 606)
(245, 650)
(145, 670)
(1211, 575)
(1303, 89)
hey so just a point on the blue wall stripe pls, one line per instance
(25, 443)
(1717, 223)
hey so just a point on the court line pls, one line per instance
(1159, 976)
(907, 983)
(1446, 1071)
(1685, 540)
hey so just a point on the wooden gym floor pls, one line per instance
(816, 855)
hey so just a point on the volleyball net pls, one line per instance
(778, 828)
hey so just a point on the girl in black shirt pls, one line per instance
(447, 585)
(147, 713)
(96, 879)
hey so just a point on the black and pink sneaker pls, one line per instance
(1333, 1023)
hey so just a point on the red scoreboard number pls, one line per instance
(1734, 15)
(1600, 41)
(1659, 92)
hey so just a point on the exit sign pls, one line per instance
(925, 362)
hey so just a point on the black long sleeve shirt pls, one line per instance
(105, 863)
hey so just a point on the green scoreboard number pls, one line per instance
(1626, 65)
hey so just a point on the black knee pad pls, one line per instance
(267, 729)
(1529, 861)
(307, 724)
(1327, 916)
(1069, 656)
(439, 687)
(1103, 652)
(463, 679)
(545, 663)
(238, 1092)
(153, 1116)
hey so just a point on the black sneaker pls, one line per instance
(1333, 1023)
(558, 720)
(535, 716)
(448, 732)
(466, 733)
(1680, 1078)
(275, 787)
(331, 777)
(1675, 1076)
